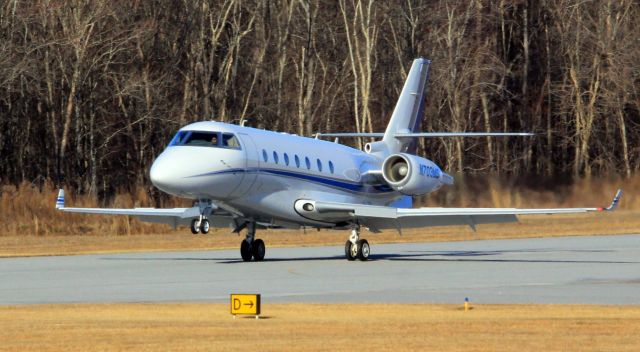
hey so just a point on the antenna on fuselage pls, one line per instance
(243, 122)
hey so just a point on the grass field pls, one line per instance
(618, 222)
(319, 327)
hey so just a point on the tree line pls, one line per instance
(91, 91)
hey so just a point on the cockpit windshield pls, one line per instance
(205, 139)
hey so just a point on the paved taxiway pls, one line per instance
(599, 270)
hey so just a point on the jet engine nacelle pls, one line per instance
(411, 175)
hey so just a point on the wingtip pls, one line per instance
(616, 200)
(60, 199)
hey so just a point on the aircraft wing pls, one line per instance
(382, 217)
(173, 216)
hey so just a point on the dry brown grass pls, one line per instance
(28, 210)
(320, 327)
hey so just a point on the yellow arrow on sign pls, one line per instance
(245, 304)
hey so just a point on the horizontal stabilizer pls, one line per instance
(427, 134)
(462, 134)
(350, 134)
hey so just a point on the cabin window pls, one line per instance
(297, 160)
(286, 159)
(308, 162)
(319, 165)
(275, 157)
(331, 169)
(265, 157)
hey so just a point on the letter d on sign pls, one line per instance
(245, 304)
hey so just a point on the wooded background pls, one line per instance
(92, 91)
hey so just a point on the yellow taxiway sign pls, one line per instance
(245, 304)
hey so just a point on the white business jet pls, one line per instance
(250, 178)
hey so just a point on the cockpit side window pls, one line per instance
(230, 141)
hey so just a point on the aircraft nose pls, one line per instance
(194, 172)
(171, 171)
(161, 175)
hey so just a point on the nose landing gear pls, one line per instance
(251, 247)
(200, 225)
(356, 248)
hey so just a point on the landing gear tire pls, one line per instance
(350, 251)
(195, 226)
(245, 251)
(363, 249)
(258, 250)
(204, 226)
(252, 247)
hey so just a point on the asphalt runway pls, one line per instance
(590, 270)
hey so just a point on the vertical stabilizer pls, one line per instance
(407, 115)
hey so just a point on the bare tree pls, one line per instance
(91, 91)
(362, 35)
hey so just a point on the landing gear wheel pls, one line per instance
(245, 251)
(363, 249)
(195, 226)
(258, 250)
(350, 251)
(204, 226)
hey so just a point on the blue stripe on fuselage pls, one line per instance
(354, 187)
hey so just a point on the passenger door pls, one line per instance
(252, 164)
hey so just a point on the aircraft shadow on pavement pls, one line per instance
(226, 260)
(485, 256)
(415, 256)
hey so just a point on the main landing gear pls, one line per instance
(252, 247)
(356, 247)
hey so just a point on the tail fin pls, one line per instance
(407, 115)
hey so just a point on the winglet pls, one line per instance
(615, 201)
(60, 200)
